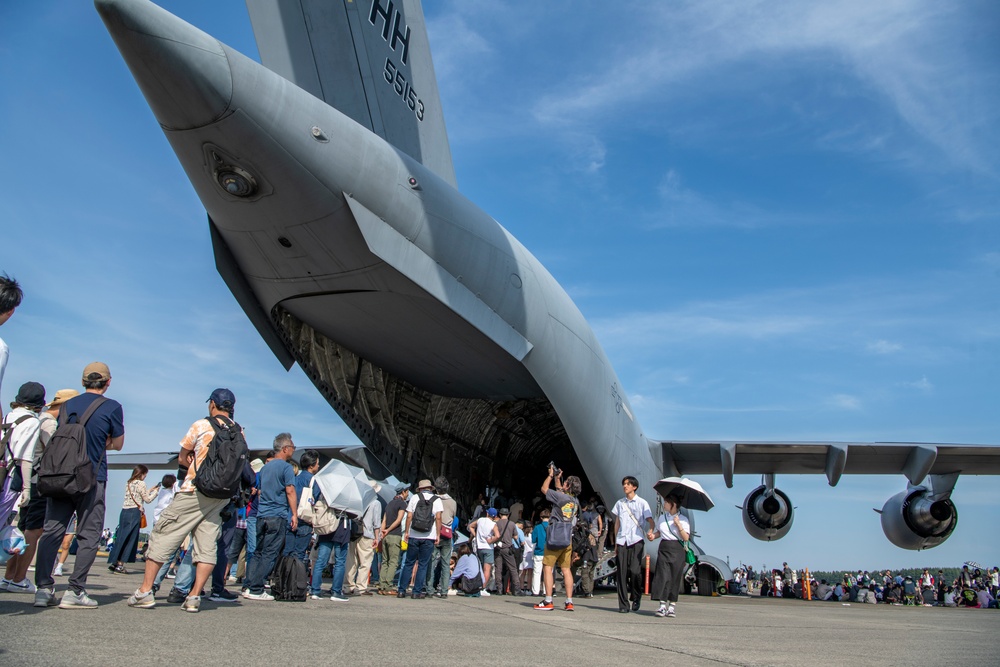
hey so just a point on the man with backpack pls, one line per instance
(423, 531)
(559, 539)
(215, 454)
(72, 474)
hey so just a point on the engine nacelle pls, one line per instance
(767, 515)
(913, 520)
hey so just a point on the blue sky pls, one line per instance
(780, 218)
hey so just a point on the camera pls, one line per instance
(555, 469)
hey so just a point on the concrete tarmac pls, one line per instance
(486, 631)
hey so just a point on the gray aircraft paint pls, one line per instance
(365, 243)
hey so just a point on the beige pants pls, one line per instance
(359, 563)
(188, 513)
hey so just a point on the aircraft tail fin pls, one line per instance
(369, 59)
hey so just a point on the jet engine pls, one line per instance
(767, 513)
(917, 519)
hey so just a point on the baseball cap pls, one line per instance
(491, 512)
(223, 399)
(31, 394)
(62, 396)
(402, 487)
(96, 371)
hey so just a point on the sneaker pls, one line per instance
(223, 596)
(81, 600)
(568, 606)
(192, 603)
(543, 605)
(142, 600)
(339, 598)
(23, 586)
(452, 591)
(438, 594)
(176, 596)
(231, 580)
(485, 593)
(4, 584)
(661, 612)
(171, 575)
(670, 612)
(258, 596)
(315, 597)
(45, 597)
(120, 570)
(58, 571)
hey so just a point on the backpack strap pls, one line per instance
(87, 414)
(8, 435)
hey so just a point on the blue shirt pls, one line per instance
(107, 420)
(468, 565)
(272, 480)
(302, 482)
(538, 537)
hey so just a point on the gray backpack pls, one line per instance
(65, 470)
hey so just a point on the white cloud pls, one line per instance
(845, 402)
(923, 384)
(884, 347)
(911, 57)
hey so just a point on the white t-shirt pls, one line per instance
(436, 507)
(668, 531)
(165, 497)
(24, 437)
(4, 354)
(484, 531)
(629, 512)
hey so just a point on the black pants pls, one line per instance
(670, 566)
(89, 510)
(506, 570)
(221, 571)
(629, 577)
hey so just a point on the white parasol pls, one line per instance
(692, 496)
(345, 487)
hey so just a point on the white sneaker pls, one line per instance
(4, 584)
(23, 586)
(485, 593)
(81, 600)
(142, 600)
(452, 591)
(58, 571)
(192, 603)
(258, 596)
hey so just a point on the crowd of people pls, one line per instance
(275, 524)
(972, 587)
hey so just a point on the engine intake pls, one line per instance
(767, 515)
(913, 519)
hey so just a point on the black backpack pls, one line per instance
(65, 471)
(221, 471)
(290, 582)
(423, 514)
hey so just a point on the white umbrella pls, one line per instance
(345, 487)
(692, 496)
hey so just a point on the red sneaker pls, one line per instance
(569, 606)
(545, 606)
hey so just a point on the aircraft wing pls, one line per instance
(369, 59)
(355, 455)
(914, 460)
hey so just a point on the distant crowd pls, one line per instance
(973, 587)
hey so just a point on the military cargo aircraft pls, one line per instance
(437, 337)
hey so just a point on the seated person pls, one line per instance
(467, 577)
(949, 597)
(824, 591)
